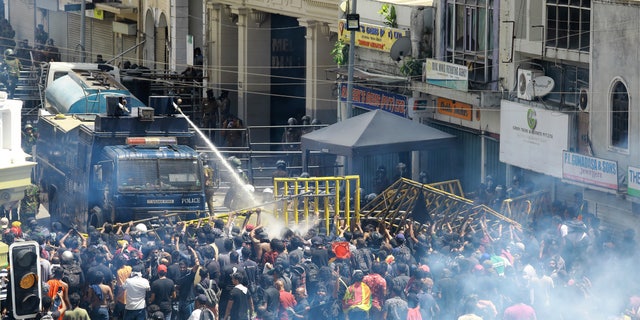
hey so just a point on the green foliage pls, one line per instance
(411, 67)
(388, 12)
(340, 53)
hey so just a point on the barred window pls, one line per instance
(568, 24)
(620, 116)
(469, 40)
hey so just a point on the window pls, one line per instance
(568, 24)
(469, 27)
(620, 116)
(171, 175)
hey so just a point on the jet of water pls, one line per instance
(274, 226)
(236, 176)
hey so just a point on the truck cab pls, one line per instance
(144, 177)
(97, 168)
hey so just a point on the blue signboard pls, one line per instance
(373, 99)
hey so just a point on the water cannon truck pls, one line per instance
(122, 163)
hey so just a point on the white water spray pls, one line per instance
(274, 226)
(236, 176)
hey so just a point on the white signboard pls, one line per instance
(533, 138)
(445, 74)
(633, 181)
(589, 170)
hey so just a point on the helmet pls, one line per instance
(8, 52)
(315, 122)
(292, 121)
(235, 161)
(306, 120)
(280, 164)
(67, 256)
(28, 127)
(140, 227)
(304, 175)
(370, 197)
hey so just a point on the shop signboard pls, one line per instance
(445, 74)
(590, 170)
(533, 138)
(455, 109)
(371, 36)
(373, 99)
(633, 181)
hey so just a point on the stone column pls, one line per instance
(179, 28)
(212, 46)
(319, 42)
(311, 73)
(243, 35)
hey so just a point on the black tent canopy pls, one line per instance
(372, 133)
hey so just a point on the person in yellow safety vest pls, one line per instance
(357, 300)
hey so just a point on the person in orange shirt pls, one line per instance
(122, 274)
(56, 286)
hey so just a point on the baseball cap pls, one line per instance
(162, 268)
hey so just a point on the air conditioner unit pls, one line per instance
(525, 83)
(583, 100)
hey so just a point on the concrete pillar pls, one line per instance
(212, 46)
(319, 42)
(311, 73)
(179, 26)
(243, 35)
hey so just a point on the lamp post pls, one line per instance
(353, 24)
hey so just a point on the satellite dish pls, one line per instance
(400, 48)
(540, 86)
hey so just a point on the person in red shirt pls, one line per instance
(287, 301)
(378, 286)
(519, 310)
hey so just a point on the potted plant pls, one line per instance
(340, 53)
(388, 12)
(411, 67)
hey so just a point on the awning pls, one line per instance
(410, 3)
(116, 7)
(368, 76)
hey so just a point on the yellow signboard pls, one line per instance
(371, 36)
(98, 14)
(455, 109)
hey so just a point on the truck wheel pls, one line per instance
(96, 217)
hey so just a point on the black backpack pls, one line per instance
(311, 271)
(252, 275)
(212, 291)
(72, 275)
(361, 259)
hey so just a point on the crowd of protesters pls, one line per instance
(370, 270)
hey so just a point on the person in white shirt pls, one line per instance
(201, 306)
(135, 288)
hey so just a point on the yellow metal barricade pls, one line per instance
(303, 200)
